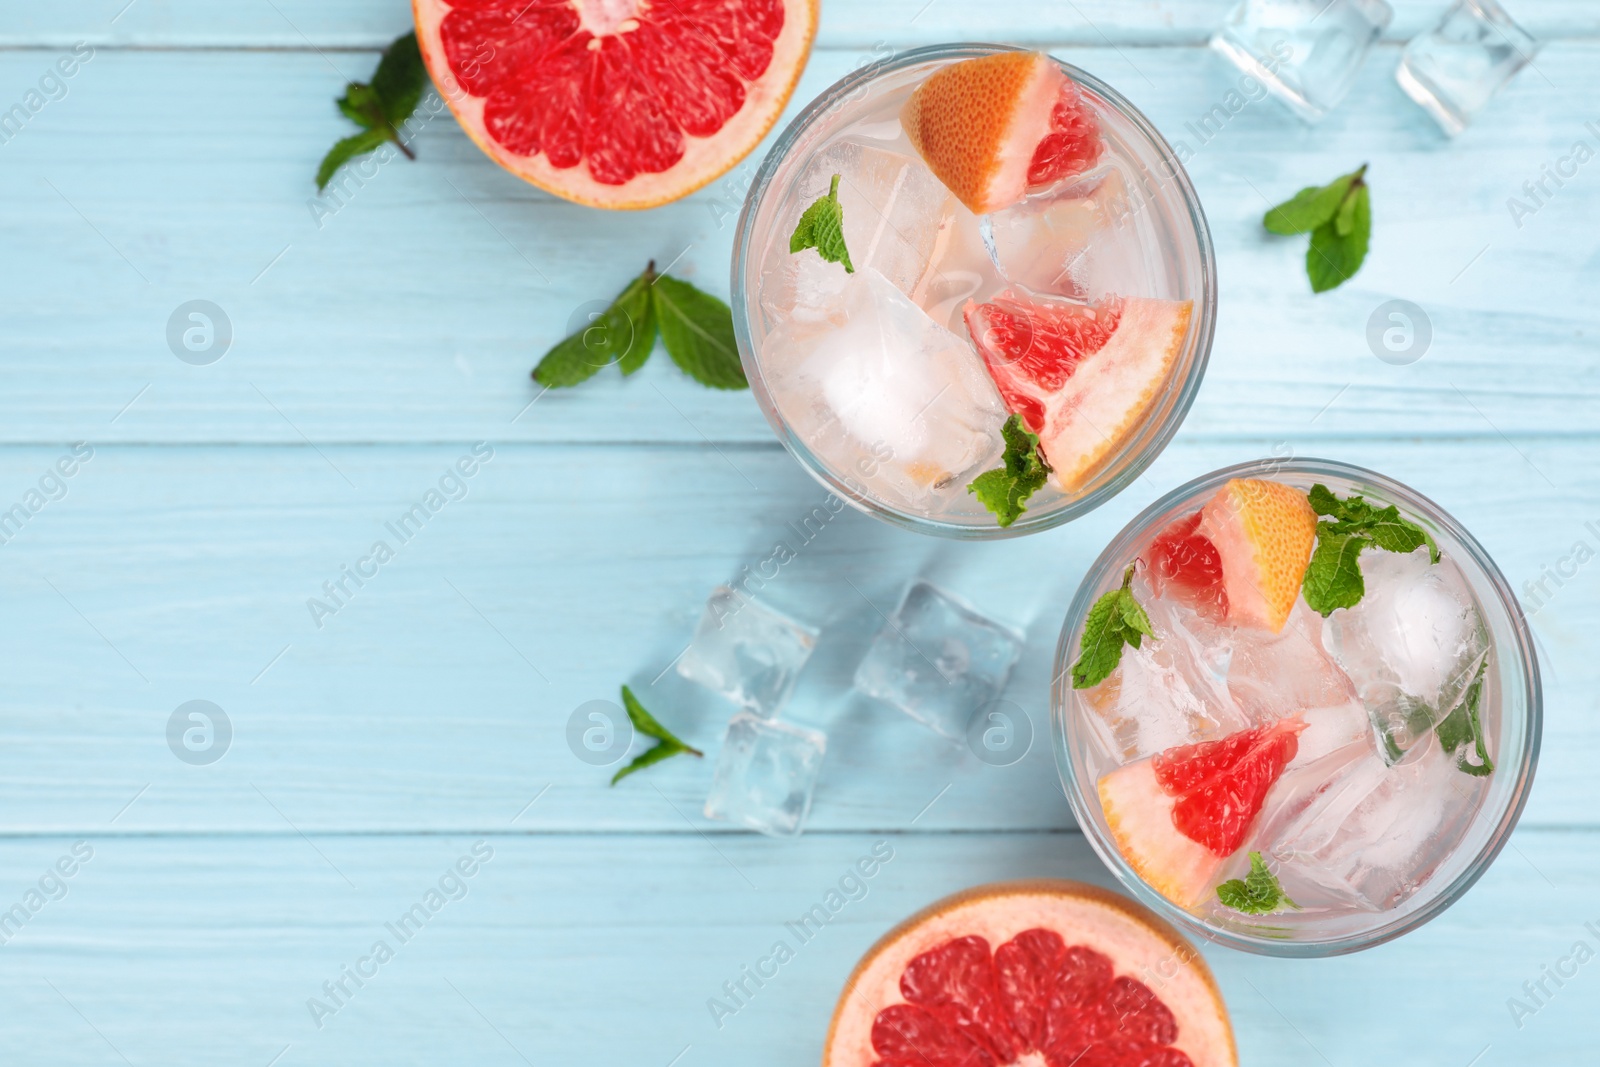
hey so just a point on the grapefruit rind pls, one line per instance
(1265, 532)
(1139, 943)
(705, 159)
(1139, 814)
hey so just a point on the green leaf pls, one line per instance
(667, 744)
(1116, 619)
(821, 226)
(360, 105)
(623, 334)
(1007, 488)
(1394, 534)
(400, 79)
(1333, 260)
(344, 151)
(1463, 725)
(1309, 208)
(1257, 893)
(697, 330)
(1333, 580)
(1385, 526)
(1134, 619)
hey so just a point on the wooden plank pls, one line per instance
(416, 311)
(437, 696)
(606, 949)
(300, 24)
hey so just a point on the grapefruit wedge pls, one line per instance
(1081, 376)
(996, 127)
(1264, 533)
(1041, 973)
(1178, 815)
(616, 103)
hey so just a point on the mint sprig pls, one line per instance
(379, 107)
(1339, 218)
(821, 227)
(1463, 727)
(1117, 619)
(666, 746)
(1257, 893)
(1005, 489)
(695, 327)
(1352, 524)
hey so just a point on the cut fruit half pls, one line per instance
(994, 127)
(1264, 533)
(1081, 376)
(1187, 566)
(1178, 815)
(1041, 972)
(616, 103)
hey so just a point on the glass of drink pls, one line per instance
(1330, 723)
(1020, 241)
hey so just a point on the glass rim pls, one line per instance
(1032, 521)
(1531, 695)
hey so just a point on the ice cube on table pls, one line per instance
(938, 660)
(1306, 52)
(747, 651)
(887, 398)
(1411, 646)
(1454, 69)
(1370, 834)
(765, 775)
(1076, 239)
(1272, 675)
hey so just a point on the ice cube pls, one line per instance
(1411, 646)
(746, 651)
(1075, 239)
(1455, 68)
(765, 775)
(887, 398)
(960, 268)
(938, 660)
(1306, 52)
(1370, 834)
(1171, 690)
(1273, 675)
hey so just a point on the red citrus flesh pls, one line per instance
(616, 103)
(1073, 144)
(1040, 973)
(1186, 565)
(1219, 786)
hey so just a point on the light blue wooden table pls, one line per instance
(373, 347)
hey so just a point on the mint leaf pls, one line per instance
(1257, 893)
(1333, 579)
(379, 108)
(624, 334)
(1463, 725)
(697, 329)
(1309, 208)
(1339, 218)
(1115, 620)
(821, 226)
(667, 744)
(1332, 260)
(1006, 489)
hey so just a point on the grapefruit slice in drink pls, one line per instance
(1042, 973)
(1080, 376)
(1185, 565)
(1178, 815)
(996, 127)
(1264, 533)
(616, 103)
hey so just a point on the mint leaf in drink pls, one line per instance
(1115, 620)
(1463, 727)
(697, 330)
(821, 227)
(1339, 218)
(667, 744)
(1006, 489)
(1333, 579)
(379, 107)
(1257, 893)
(623, 334)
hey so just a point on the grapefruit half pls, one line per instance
(1041, 973)
(616, 103)
(1081, 376)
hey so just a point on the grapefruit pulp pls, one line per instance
(616, 103)
(995, 127)
(1179, 814)
(1185, 564)
(1041, 972)
(1080, 376)
(1264, 533)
